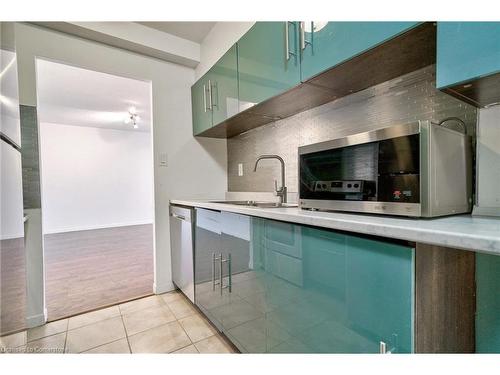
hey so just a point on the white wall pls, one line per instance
(196, 167)
(95, 178)
(11, 193)
(222, 36)
(11, 188)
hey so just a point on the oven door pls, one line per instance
(346, 174)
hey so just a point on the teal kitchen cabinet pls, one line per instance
(268, 61)
(207, 254)
(380, 293)
(223, 77)
(202, 116)
(487, 303)
(287, 288)
(466, 51)
(327, 44)
(214, 97)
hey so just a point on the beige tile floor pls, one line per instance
(166, 323)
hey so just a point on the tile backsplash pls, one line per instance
(408, 98)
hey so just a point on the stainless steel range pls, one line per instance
(419, 169)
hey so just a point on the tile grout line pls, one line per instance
(94, 347)
(126, 333)
(185, 332)
(66, 337)
(163, 304)
(89, 324)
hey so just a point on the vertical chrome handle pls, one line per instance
(213, 271)
(230, 284)
(209, 95)
(205, 98)
(288, 53)
(303, 41)
(382, 347)
(214, 95)
(287, 42)
(220, 282)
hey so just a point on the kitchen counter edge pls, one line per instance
(481, 234)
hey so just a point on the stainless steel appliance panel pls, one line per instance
(417, 169)
(181, 242)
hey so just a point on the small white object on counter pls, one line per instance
(462, 231)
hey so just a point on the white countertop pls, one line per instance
(460, 231)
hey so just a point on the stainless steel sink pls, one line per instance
(257, 204)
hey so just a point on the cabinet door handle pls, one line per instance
(303, 42)
(288, 53)
(220, 282)
(230, 282)
(214, 261)
(209, 95)
(213, 271)
(214, 95)
(382, 347)
(205, 98)
(221, 275)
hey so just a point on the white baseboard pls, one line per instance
(92, 227)
(11, 236)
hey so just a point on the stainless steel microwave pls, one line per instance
(419, 169)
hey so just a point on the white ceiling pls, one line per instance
(193, 31)
(74, 96)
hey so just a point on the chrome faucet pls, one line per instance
(281, 192)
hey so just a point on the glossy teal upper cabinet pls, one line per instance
(326, 44)
(202, 116)
(466, 51)
(215, 96)
(224, 86)
(268, 62)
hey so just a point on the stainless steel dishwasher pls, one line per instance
(181, 244)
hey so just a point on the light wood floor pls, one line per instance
(86, 270)
(12, 285)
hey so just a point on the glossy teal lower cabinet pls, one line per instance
(330, 43)
(288, 288)
(487, 303)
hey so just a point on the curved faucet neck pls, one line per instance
(281, 192)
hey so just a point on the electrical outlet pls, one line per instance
(240, 169)
(163, 159)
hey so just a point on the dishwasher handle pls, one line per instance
(178, 216)
(181, 213)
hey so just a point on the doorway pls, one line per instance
(95, 133)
